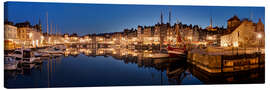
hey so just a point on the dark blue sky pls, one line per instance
(100, 18)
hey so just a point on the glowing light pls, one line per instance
(210, 38)
(30, 35)
(235, 44)
(101, 52)
(190, 38)
(134, 39)
(259, 36)
(42, 37)
(36, 42)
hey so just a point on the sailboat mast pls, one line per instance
(47, 23)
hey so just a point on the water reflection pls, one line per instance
(108, 66)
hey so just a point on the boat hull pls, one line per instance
(10, 67)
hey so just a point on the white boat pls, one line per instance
(41, 54)
(61, 47)
(30, 60)
(37, 54)
(27, 66)
(54, 50)
(29, 57)
(51, 50)
(10, 63)
(18, 53)
(57, 54)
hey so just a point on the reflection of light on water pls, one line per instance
(66, 53)
(174, 68)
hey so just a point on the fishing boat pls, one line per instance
(179, 49)
(10, 63)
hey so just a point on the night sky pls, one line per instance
(101, 18)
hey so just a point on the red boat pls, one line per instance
(177, 50)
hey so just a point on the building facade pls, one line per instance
(10, 36)
(243, 33)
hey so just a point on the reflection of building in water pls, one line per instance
(226, 63)
(250, 76)
(23, 69)
(176, 69)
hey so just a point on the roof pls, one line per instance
(234, 18)
(245, 20)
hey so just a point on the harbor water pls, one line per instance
(109, 67)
